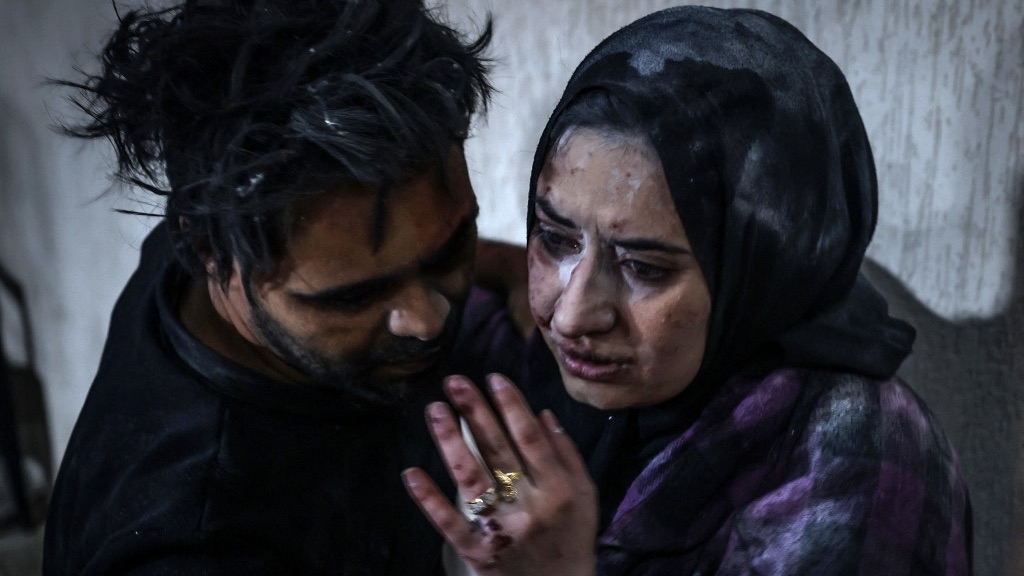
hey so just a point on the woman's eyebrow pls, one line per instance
(639, 244)
(648, 244)
(545, 206)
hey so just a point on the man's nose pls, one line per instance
(419, 312)
(587, 304)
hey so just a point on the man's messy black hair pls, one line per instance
(234, 109)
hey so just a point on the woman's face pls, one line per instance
(614, 285)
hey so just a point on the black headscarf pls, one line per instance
(770, 169)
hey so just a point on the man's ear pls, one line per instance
(213, 278)
(204, 251)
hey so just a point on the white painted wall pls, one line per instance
(940, 87)
(57, 235)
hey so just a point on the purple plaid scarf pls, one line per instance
(801, 472)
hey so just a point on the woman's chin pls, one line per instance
(601, 395)
(616, 394)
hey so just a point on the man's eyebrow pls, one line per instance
(548, 209)
(451, 248)
(349, 292)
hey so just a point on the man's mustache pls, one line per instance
(399, 350)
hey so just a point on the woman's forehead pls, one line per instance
(616, 184)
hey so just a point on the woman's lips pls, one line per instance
(584, 364)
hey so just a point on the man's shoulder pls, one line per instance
(143, 418)
(134, 317)
(135, 474)
(143, 440)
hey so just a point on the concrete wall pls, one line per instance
(941, 91)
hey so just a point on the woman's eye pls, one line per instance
(557, 244)
(646, 272)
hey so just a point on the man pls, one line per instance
(263, 380)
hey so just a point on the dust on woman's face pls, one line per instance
(614, 285)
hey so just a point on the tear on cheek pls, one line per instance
(565, 273)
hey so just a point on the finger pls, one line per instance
(526, 431)
(491, 439)
(464, 468)
(564, 447)
(448, 521)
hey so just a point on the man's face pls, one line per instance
(340, 314)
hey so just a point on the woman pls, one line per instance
(700, 205)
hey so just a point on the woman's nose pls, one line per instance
(587, 304)
(419, 312)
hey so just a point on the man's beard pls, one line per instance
(354, 374)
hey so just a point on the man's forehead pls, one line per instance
(332, 239)
(369, 202)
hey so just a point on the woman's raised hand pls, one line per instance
(532, 504)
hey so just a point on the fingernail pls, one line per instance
(456, 386)
(409, 478)
(553, 423)
(436, 411)
(495, 382)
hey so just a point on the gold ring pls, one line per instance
(506, 485)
